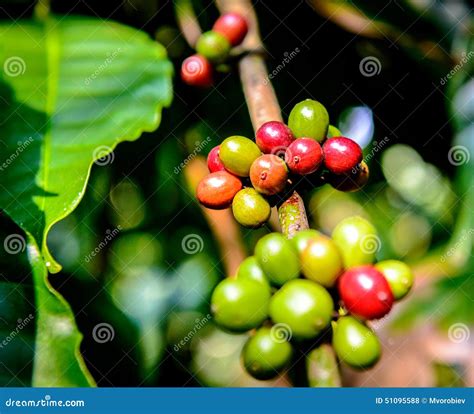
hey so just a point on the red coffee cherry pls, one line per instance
(196, 70)
(341, 155)
(218, 189)
(353, 181)
(233, 26)
(273, 137)
(304, 156)
(214, 163)
(365, 292)
(268, 174)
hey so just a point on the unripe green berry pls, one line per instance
(321, 261)
(278, 258)
(265, 354)
(213, 46)
(240, 305)
(333, 132)
(309, 119)
(357, 240)
(355, 343)
(304, 306)
(250, 209)
(301, 239)
(237, 153)
(398, 275)
(250, 269)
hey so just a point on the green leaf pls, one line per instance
(72, 89)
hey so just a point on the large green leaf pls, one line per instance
(72, 89)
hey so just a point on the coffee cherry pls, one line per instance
(303, 237)
(355, 344)
(278, 258)
(233, 26)
(357, 241)
(321, 261)
(309, 119)
(240, 305)
(365, 292)
(333, 132)
(269, 174)
(273, 137)
(250, 269)
(237, 154)
(353, 181)
(341, 155)
(398, 275)
(250, 208)
(265, 354)
(196, 71)
(217, 190)
(214, 163)
(304, 306)
(213, 46)
(304, 156)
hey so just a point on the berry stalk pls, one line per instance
(262, 102)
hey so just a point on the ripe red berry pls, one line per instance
(273, 137)
(233, 26)
(268, 174)
(217, 190)
(365, 292)
(214, 163)
(341, 155)
(196, 70)
(304, 156)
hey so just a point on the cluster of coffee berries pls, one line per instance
(248, 175)
(289, 291)
(213, 48)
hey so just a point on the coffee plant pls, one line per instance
(185, 197)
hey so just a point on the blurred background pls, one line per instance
(140, 261)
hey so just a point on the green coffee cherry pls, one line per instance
(333, 132)
(250, 208)
(250, 269)
(309, 119)
(240, 305)
(355, 343)
(237, 153)
(213, 46)
(302, 305)
(357, 240)
(301, 239)
(278, 258)
(266, 354)
(398, 275)
(321, 261)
